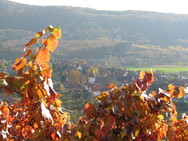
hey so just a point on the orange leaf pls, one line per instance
(27, 53)
(111, 86)
(43, 56)
(54, 136)
(6, 112)
(31, 42)
(51, 43)
(19, 64)
(176, 91)
(148, 77)
(2, 75)
(35, 125)
(47, 72)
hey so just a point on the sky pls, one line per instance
(167, 6)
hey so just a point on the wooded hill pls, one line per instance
(110, 38)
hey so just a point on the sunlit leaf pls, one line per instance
(142, 74)
(6, 112)
(47, 73)
(2, 75)
(43, 57)
(51, 43)
(35, 125)
(57, 32)
(181, 92)
(19, 64)
(79, 134)
(176, 91)
(31, 42)
(27, 53)
(160, 117)
(111, 86)
(102, 96)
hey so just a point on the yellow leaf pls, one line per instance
(102, 96)
(79, 134)
(142, 73)
(160, 117)
(181, 92)
(58, 102)
(57, 32)
(137, 132)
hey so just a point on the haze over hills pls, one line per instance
(110, 38)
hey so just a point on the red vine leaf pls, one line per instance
(111, 120)
(90, 110)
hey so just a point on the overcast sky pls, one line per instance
(168, 6)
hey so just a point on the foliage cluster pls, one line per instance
(38, 116)
(122, 113)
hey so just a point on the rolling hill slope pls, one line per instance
(106, 35)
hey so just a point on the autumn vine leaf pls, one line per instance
(31, 42)
(129, 113)
(39, 110)
(90, 110)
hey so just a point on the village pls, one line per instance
(69, 76)
(77, 77)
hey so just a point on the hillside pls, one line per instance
(113, 38)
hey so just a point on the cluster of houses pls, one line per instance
(95, 83)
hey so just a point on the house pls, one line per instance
(161, 79)
(91, 78)
(94, 89)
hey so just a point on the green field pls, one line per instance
(164, 69)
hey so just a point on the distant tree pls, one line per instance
(76, 77)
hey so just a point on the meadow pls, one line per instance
(163, 69)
